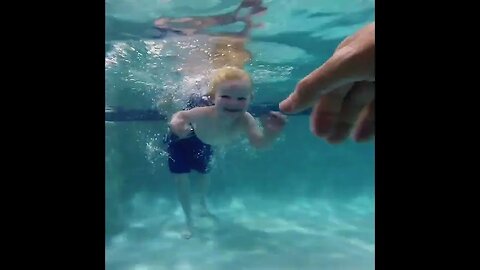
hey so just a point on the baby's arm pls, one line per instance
(180, 122)
(272, 127)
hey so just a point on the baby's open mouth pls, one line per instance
(232, 110)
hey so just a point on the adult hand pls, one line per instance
(341, 91)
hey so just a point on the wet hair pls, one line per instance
(227, 74)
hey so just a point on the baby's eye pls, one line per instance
(224, 96)
(241, 98)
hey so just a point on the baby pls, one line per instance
(218, 118)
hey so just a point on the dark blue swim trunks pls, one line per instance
(189, 153)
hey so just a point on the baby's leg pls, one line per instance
(204, 184)
(183, 191)
(204, 180)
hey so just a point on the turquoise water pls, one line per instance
(303, 204)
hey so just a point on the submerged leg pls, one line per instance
(204, 184)
(183, 190)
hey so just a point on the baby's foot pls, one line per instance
(188, 231)
(205, 213)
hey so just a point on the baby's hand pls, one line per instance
(273, 122)
(251, 7)
(179, 126)
(181, 130)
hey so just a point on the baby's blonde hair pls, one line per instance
(227, 74)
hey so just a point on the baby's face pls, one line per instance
(233, 97)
